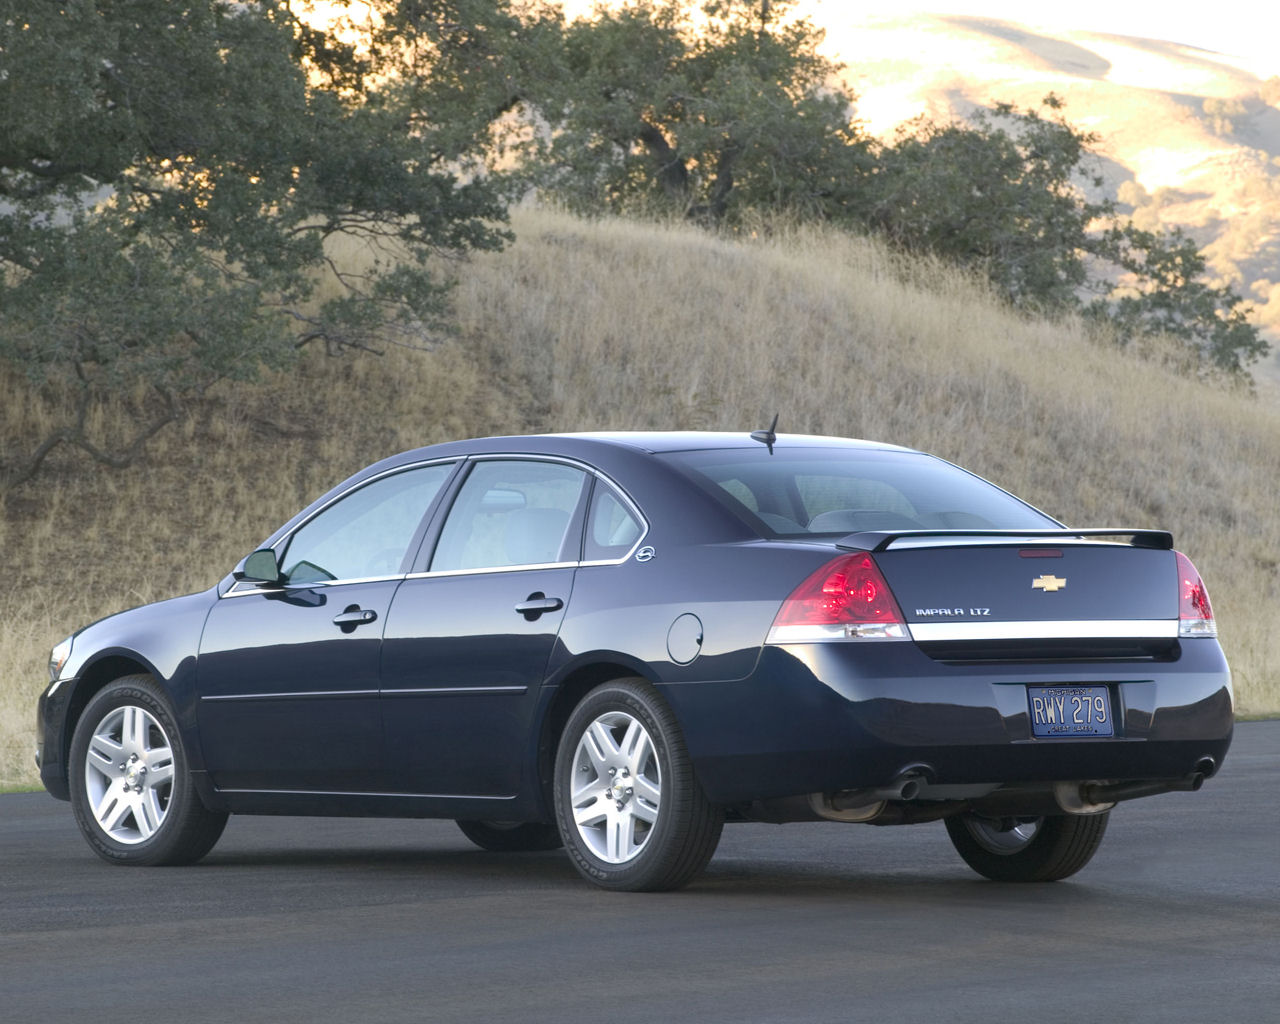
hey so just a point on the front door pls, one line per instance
(288, 674)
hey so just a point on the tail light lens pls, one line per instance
(847, 599)
(1195, 614)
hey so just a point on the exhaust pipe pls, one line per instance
(860, 805)
(905, 786)
(1114, 793)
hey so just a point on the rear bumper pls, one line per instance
(828, 717)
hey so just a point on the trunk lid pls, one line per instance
(1033, 596)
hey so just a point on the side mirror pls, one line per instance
(260, 567)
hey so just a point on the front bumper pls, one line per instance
(836, 716)
(51, 739)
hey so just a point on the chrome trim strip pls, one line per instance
(825, 633)
(496, 568)
(1097, 629)
(590, 470)
(443, 461)
(312, 585)
(453, 691)
(488, 457)
(343, 792)
(300, 695)
(635, 510)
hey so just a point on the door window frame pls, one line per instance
(243, 588)
(576, 528)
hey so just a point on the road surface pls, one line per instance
(313, 920)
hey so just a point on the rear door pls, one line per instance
(469, 636)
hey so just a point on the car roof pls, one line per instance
(586, 444)
(611, 451)
(699, 440)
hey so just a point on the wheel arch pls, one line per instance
(92, 679)
(569, 690)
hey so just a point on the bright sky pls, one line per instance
(1241, 28)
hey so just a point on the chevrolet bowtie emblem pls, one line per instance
(1049, 584)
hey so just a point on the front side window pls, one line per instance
(511, 512)
(367, 532)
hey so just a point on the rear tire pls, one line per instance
(131, 787)
(512, 836)
(630, 810)
(1027, 849)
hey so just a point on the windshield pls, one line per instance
(801, 492)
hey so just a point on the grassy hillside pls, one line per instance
(1188, 138)
(618, 325)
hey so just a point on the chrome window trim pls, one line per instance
(233, 592)
(249, 589)
(253, 589)
(440, 573)
(1098, 629)
(632, 507)
(562, 460)
(365, 483)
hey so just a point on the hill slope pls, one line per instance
(1189, 138)
(585, 325)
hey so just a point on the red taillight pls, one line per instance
(1195, 614)
(846, 599)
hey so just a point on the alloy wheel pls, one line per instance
(128, 774)
(616, 790)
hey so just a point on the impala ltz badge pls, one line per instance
(1049, 584)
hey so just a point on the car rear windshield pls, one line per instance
(801, 492)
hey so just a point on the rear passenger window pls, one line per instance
(509, 513)
(612, 528)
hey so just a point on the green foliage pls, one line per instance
(1006, 195)
(1165, 293)
(170, 178)
(706, 110)
(718, 108)
(999, 193)
(176, 177)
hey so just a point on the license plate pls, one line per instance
(1066, 711)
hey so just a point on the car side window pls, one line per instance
(365, 533)
(511, 512)
(612, 528)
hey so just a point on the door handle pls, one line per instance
(353, 616)
(537, 603)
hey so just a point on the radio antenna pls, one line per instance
(768, 438)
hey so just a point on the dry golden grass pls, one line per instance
(593, 325)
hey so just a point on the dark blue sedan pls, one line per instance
(619, 642)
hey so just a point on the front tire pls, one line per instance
(1027, 849)
(131, 787)
(631, 813)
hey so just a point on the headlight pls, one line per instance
(58, 657)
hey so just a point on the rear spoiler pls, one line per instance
(879, 540)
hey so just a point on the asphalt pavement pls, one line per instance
(315, 920)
